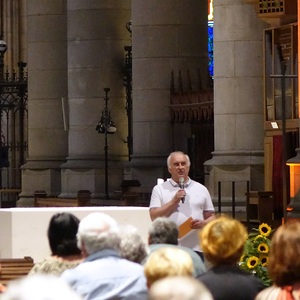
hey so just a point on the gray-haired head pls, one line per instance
(132, 246)
(178, 152)
(98, 231)
(163, 231)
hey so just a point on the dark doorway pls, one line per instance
(200, 147)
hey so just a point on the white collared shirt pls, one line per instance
(197, 201)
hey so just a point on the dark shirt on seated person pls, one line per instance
(231, 283)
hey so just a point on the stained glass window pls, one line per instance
(211, 48)
(211, 38)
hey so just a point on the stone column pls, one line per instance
(167, 36)
(13, 27)
(22, 31)
(47, 82)
(96, 38)
(238, 98)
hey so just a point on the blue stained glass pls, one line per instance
(211, 48)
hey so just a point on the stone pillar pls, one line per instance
(238, 99)
(22, 31)
(96, 38)
(13, 27)
(47, 78)
(167, 36)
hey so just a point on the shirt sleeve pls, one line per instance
(156, 198)
(208, 202)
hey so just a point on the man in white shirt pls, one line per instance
(181, 198)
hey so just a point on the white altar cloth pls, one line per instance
(23, 231)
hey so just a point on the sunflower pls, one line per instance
(255, 255)
(252, 262)
(263, 248)
(260, 237)
(265, 229)
(264, 261)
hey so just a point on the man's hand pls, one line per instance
(167, 209)
(197, 224)
(179, 195)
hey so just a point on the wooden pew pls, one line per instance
(83, 199)
(9, 197)
(14, 268)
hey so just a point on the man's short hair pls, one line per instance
(188, 161)
(163, 231)
(98, 231)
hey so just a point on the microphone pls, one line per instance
(181, 186)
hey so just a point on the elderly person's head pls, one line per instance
(39, 287)
(96, 232)
(284, 256)
(163, 231)
(178, 165)
(223, 240)
(167, 261)
(132, 246)
(179, 288)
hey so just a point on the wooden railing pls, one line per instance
(41, 200)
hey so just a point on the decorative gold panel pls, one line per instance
(271, 6)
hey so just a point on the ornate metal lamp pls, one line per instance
(127, 82)
(106, 126)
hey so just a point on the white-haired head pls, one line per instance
(188, 161)
(39, 287)
(98, 231)
(179, 288)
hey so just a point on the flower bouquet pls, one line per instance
(256, 253)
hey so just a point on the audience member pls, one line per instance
(166, 262)
(104, 274)
(179, 288)
(65, 254)
(39, 287)
(223, 242)
(182, 200)
(284, 264)
(132, 246)
(163, 232)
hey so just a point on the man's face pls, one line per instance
(179, 167)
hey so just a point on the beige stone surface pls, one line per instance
(238, 90)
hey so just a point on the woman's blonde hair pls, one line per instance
(222, 240)
(168, 261)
